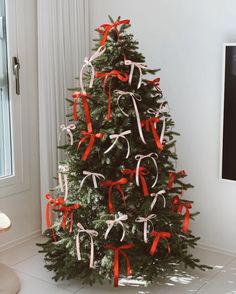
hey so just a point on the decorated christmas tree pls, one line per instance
(119, 207)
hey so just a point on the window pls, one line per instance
(5, 129)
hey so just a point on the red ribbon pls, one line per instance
(83, 96)
(114, 73)
(142, 172)
(173, 176)
(151, 123)
(91, 137)
(117, 185)
(154, 82)
(68, 211)
(158, 236)
(118, 250)
(105, 29)
(180, 205)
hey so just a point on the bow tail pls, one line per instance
(87, 115)
(89, 148)
(186, 221)
(144, 185)
(156, 137)
(116, 267)
(154, 245)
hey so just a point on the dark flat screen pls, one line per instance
(229, 124)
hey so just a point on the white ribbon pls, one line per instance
(93, 175)
(68, 130)
(134, 98)
(88, 62)
(63, 170)
(145, 221)
(156, 112)
(91, 233)
(116, 137)
(139, 66)
(118, 220)
(156, 195)
(140, 157)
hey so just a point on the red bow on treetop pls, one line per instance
(105, 29)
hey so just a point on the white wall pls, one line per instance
(185, 39)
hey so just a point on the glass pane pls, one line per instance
(5, 134)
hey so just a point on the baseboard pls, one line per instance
(21, 240)
(216, 249)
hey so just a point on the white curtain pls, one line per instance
(63, 42)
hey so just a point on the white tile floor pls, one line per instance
(35, 279)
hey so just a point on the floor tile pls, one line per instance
(34, 267)
(223, 283)
(21, 252)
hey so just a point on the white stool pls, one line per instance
(9, 282)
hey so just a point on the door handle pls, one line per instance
(16, 72)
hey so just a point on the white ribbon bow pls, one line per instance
(68, 130)
(118, 220)
(145, 221)
(140, 157)
(156, 112)
(88, 62)
(91, 233)
(63, 170)
(139, 66)
(116, 137)
(93, 175)
(134, 98)
(156, 195)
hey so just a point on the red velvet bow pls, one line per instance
(142, 172)
(118, 250)
(117, 185)
(83, 96)
(158, 236)
(154, 82)
(176, 202)
(105, 29)
(151, 123)
(91, 137)
(114, 73)
(68, 211)
(173, 176)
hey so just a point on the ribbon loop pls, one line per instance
(140, 66)
(68, 212)
(63, 170)
(157, 236)
(94, 176)
(139, 158)
(91, 233)
(118, 185)
(104, 29)
(156, 195)
(120, 250)
(116, 137)
(83, 96)
(134, 98)
(91, 137)
(145, 221)
(88, 62)
(68, 130)
(173, 176)
(155, 83)
(114, 73)
(118, 220)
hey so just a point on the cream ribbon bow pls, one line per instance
(63, 170)
(68, 130)
(118, 220)
(139, 66)
(88, 62)
(139, 158)
(116, 137)
(93, 175)
(91, 233)
(145, 221)
(156, 195)
(134, 97)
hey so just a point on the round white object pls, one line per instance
(5, 222)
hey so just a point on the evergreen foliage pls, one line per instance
(60, 248)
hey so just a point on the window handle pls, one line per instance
(16, 72)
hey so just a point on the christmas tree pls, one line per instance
(118, 209)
